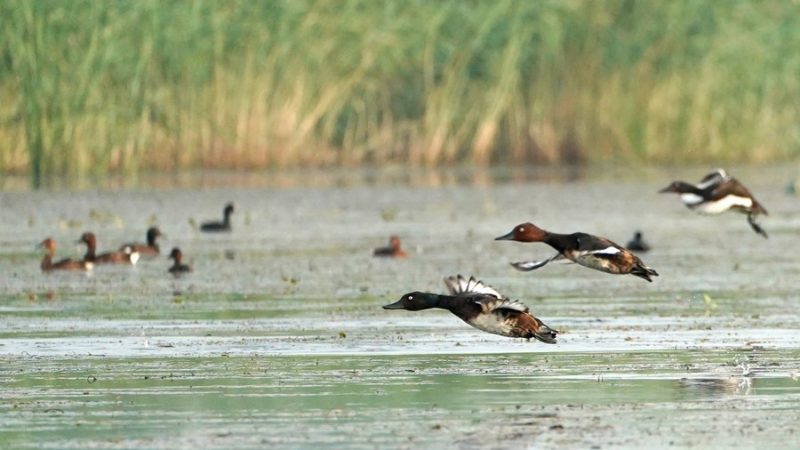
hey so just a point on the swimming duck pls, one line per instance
(126, 256)
(585, 249)
(392, 251)
(65, 264)
(716, 193)
(482, 307)
(224, 226)
(148, 249)
(637, 243)
(177, 267)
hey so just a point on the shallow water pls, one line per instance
(278, 340)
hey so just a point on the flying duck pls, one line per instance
(482, 307)
(716, 193)
(585, 249)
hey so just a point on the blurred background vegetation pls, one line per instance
(92, 87)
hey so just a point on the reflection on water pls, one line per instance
(716, 386)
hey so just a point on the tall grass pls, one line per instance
(124, 86)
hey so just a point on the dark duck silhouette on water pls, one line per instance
(587, 250)
(638, 244)
(178, 267)
(49, 245)
(716, 193)
(148, 249)
(392, 251)
(482, 307)
(126, 256)
(219, 227)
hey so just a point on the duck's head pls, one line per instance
(414, 301)
(229, 209)
(175, 254)
(524, 232)
(153, 233)
(394, 242)
(88, 238)
(678, 187)
(48, 244)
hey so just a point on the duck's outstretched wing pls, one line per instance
(458, 285)
(730, 186)
(506, 305)
(527, 266)
(716, 177)
(596, 245)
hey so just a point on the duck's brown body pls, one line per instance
(482, 307)
(48, 265)
(118, 257)
(394, 250)
(150, 249)
(716, 193)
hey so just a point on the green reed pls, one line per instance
(91, 87)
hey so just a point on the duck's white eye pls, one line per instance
(411, 297)
(520, 229)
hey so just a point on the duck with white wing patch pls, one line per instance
(716, 193)
(482, 307)
(585, 249)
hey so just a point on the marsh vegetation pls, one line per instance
(92, 87)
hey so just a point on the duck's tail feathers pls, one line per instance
(642, 271)
(545, 333)
(757, 208)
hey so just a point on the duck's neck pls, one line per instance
(448, 302)
(90, 255)
(558, 241)
(151, 241)
(686, 188)
(47, 261)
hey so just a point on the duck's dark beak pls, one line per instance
(666, 189)
(396, 305)
(506, 237)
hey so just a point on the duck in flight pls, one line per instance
(587, 250)
(716, 193)
(482, 307)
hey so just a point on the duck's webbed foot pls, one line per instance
(527, 266)
(756, 227)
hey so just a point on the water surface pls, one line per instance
(277, 339)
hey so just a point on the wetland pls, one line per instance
(277, 338)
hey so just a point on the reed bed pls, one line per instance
(92, 87)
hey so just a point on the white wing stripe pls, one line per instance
(606, 251)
